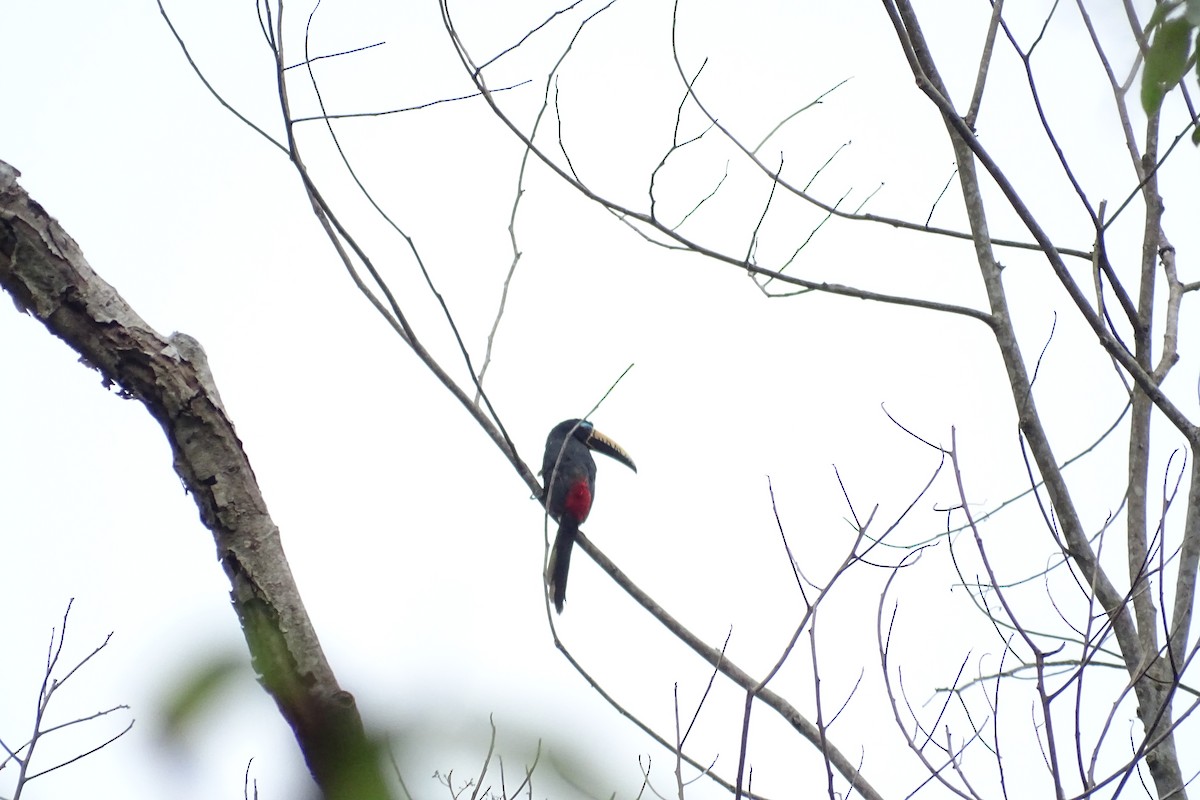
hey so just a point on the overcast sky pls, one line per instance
(417, 549)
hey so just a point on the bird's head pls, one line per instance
(585, 433)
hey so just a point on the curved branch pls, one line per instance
(44, 271)
(687, 243)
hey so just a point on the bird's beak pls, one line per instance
(602, 444)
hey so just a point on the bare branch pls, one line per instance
(571, 178)
(985, 63)
(730, 670)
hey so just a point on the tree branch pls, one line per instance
(44, 271)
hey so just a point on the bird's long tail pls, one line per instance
(560, 561)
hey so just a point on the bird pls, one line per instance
(570, 475)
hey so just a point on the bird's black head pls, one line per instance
(585, 433)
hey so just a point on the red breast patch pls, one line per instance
(578, 501)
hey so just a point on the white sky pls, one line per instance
(416, 549)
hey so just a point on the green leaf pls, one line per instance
(1166, 62)
(1161, 10)
(1192, 13)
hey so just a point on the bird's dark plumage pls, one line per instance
(570, 475)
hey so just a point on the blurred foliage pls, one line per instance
(196, 691)
(1171, 32)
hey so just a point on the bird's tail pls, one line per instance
(560, 561)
